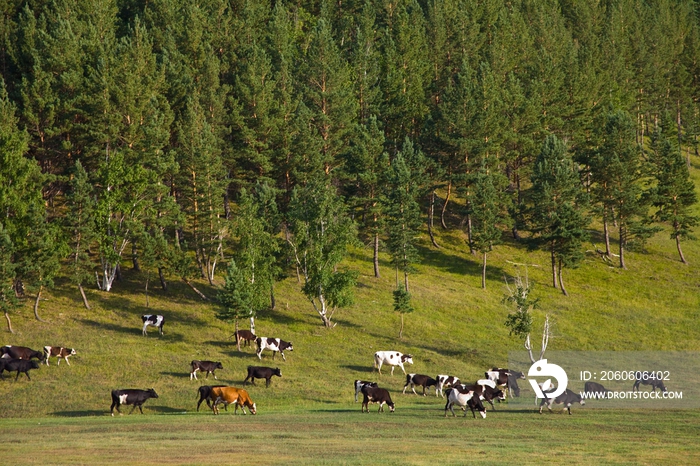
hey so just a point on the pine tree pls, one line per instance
(402, 305)
(559, 206)
(239, 297)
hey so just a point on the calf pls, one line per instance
(228, 395)
(155, 320)
(596, 389)
(204, 392)
(59, 352)
(274, 345)
(654, 382)
(257, 372)
(21, 352)
(376, 395)
(445, 381)
(461, 395)
(205, 366)
(506, 378)
(246, 336)
(567, 399)
(361, 383)
(19, 365)
(131, 397)
(420, 380)
(393, 358)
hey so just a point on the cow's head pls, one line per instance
(276, 371)
(498, 394)
(35, 365)
(253, 410)
(407, 358)
(219, 366)
(71, 351)
(152, 393)
(392, 406)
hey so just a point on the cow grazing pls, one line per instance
(229, 395)
(361, 383)
(19, 365)
(244, 336)
(59, 352)
(421, 381)
(155, 320)
(445, 381)
(21, 352)
(461, 395)
(376, 395)
(596, 388)
(393, 358)
(131, 397)
(258, 372)
(506, 378)
(567, 399)
(274, 345)
(204, 392)
(654, 382)
(205, 366)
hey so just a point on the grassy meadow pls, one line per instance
(309, 416)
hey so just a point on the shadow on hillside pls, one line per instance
(441, 259)
(353, 367)
(83, 413)
(169, 337)
(179, 375)
(163, 409)
(347, 323)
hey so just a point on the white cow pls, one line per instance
(461, 395)
(273, 344)
(393, 358)
(445, 381)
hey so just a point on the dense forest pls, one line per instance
(175, 136)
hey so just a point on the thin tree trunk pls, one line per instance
(376, 255)
(147, 303)
(9, 323)
(680, 252)
(561, 279)
(401, 328)
(405, 280)
(622, 247)
(483, 273)
(238, 340)
(135, 257)
(82, 293)
(606, 231)
(252, 325)
(554, 266)
(431, 210)
(444, 205)
(161, 276)
(36, 304)
(469, 234)
(199, 293)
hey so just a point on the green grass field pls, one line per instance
(308, 416)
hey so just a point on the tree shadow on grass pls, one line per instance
(359, 368)
(82, 413)
(179, 375)
(168, 337)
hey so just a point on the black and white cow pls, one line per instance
(19, 365)
(258, 372)
(245, 336)
(445, 381)
(421, 381)
(506, 378)
(131, 397)
(20, 352)
(461, 395)
(393, 358)
(376, 395)
(596, 389)
(652, 381)
(205, 366)
(274, 345)
(155, 320)
(59, 352)
(361, 383)
(204, 393)
(567, 399)
(488, 391)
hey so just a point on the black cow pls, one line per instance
(245, 335)
(155, 320)
(204, 392)
(419, 380)
(131, 397)
(649, 380)
(596, 389)
(361, 383)
(205, 366)
(567, 399)
(506, 378)
(258, 372)
(20, 352)
(19, 365)
(273, 344)
(376, 395)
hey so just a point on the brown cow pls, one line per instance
(229, 395)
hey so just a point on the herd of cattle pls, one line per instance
(497, 384)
